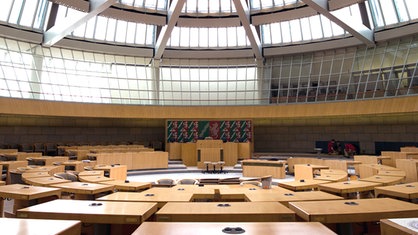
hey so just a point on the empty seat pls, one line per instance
(66, 176)
(187, 181)
(39, 148)
(165, 182)
(28, 148)
(51, 149)
(253, 182)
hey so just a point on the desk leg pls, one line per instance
(1, 207)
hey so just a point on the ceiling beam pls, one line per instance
(359, 31)
(172, 17)
(244, 15)
(68, 25)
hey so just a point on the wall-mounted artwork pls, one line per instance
(191, 131)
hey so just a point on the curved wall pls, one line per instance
(280, 128)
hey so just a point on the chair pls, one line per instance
(39, 148)
(164, 183)
(221, 167)
(88, 168)
(66, 176)
(253, 182)
(16, 177)
(206, 166)
(51, 149)
(3, 158)
(28, 148)
(187, 181)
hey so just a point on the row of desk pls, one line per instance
(71, 227)
(232, 204)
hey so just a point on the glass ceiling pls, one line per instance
(210, 6)
(191, 29)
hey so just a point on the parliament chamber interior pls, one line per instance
(209, 117)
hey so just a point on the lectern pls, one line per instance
(208, 151)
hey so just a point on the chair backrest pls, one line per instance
(253, 182)
(66, 176)
(16, 177)
(165, 181)
(187, 181)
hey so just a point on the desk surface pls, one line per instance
(348, 186)
(39, 227)
(392, 173)
(44, 168)
(109, 167)
(298, 185)
(26, 192)
(332, 177)
(94, 178)
(349, 211)
(131, 186)
(407, 191)
(45, 181)
(384, 179)
(91, 211)
(224, 212)
(83, 188)
(156, 195)
(285, 198)
(91, 173)
(382, 167)
(239, 192)
(30, 174)
(175, 228)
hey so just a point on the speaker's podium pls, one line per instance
(208, 151)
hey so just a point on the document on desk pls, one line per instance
(410, 223)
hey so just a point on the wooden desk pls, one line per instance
(128, 186)
(175, 228)
(351, 211)
(405, 226)
(199, 193)
(239, 192)
(92, 212)
(156, 195)
(367, 170)
(84, 191)
(91, 173)
(392, 173)
(332, 177)
(301, 185)
(12, 165)
(285, 198)
(94, 178)
(25, 195)
(259, 168)
(29, 174)
(307, 171)
(46, 160)
(39, 227)
(77, 166)
(410, 167)
(383, 179)
(45, 181)
(347, 187)
(224, 212)
(50, 169)
(117, 172)
(406, 191)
